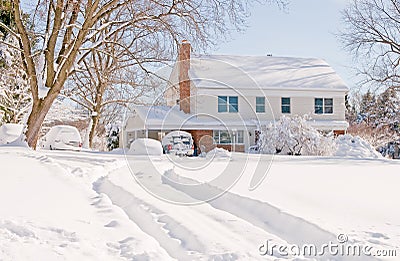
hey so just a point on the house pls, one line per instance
(223, 99)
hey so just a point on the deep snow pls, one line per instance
(91, 206)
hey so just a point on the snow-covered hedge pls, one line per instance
(294, 136)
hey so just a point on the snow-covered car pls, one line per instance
(10, 132)
(178, 143)
(145, 146)
(62, 137)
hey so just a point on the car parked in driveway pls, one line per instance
(10, 132)
(62, 137)
(178, 143)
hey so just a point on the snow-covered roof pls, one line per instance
(266, 72)
(171, 118)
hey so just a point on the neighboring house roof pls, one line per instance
(265, 72)
(171, 118)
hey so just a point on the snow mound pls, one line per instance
(355, 147)
(11, 133)
(218, 153)
(146, 147)
(118, 151)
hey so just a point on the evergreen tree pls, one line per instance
(388, 106)
(112, 134)
(6, 16)
(367, 112)
(351, 113)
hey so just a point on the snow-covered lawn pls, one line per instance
(49, 211)
(93, 206)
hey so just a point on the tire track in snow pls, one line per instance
(174, 238)
(294, 230)
(186, 233)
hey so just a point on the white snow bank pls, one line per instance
(49, 212)
(146, 146)
(355, 147)
(335, 194)
(11, 133)
(118, 151)
(218, 153)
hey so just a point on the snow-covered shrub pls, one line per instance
(294, 136)
(390, 149)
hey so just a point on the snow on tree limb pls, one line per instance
(61, 30)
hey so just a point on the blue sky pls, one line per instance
(305, 29)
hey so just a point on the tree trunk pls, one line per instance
(39, 110)
(95, 121)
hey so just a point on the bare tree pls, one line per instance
(111, 75)
(372, 35)
(63, 29)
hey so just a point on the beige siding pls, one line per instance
(300, 105)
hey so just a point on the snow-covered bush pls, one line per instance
(294, 136)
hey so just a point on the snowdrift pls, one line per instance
(355, 147)
(145, 146)
(218, 153)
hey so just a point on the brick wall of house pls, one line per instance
(205, 138)
(238, 147)
(339, 132)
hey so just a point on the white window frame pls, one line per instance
(286, 105)
(231, 134)
(228, 104)
(324, 106)
(260, 105)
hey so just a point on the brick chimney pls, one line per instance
(184, 81)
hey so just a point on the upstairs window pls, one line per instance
(222, 103)
(260, 104)
(328, 106)
(228, 104)
(285, 105)
(323, 105)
